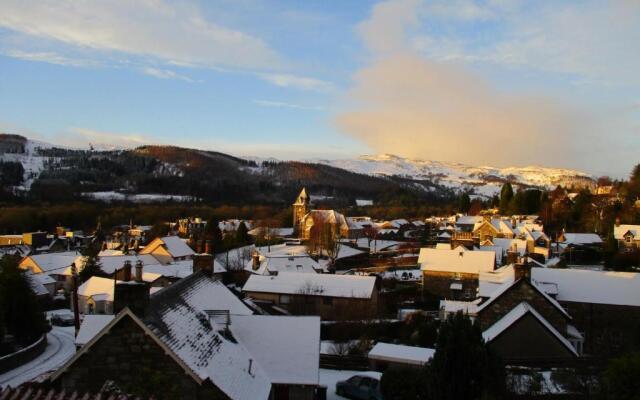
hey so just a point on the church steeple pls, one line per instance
(300, 210)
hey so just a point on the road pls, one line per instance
(60, 348)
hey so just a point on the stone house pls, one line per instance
(196, 340)
(168, 249)
(453, 274)
(329, 296)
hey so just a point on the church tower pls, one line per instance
(300, 210)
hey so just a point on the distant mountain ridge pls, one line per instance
(182, 173)
(483, 180)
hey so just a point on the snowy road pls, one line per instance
(60, 348)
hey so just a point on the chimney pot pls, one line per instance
(255, 261)
(207, 247)
(139, 271)
(127, 271)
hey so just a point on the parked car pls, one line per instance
(62, 320)
(359, 387)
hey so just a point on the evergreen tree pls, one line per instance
(22, 315)
(463, 367)
(242, 234)
(464, 203)
(506, 194)
(212, 232)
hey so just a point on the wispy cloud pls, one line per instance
(281, 104)
(166, 74)
(298, 82)
(165, 30)
(51, 58)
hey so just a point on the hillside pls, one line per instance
(160, 173)
(484, 180)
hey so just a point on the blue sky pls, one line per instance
(482, 82)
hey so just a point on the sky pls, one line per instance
(494, 82)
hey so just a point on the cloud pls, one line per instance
(298, 82)
(280, 104)
(589, 40)
(166, 74)
(154, 28)
(77, 137)
(51, 58)
(406, 104)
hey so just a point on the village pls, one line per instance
(326, 308)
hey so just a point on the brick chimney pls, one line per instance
(203, 262)
(255, 261)
(522, 269)
(139, 271)
(126, 271)
(134, 295)
(207, 247)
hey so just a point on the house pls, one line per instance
(272, 260)
(524, 324)
(466, 223)
(385, 355)
(56, 265)
(315, 222)
(327, 295)
(454, 273)
(604, 304)
(628, 236)
(195, 340)
(168, 249)
(95, 296)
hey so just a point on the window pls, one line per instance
(285, 299)
(628, 238)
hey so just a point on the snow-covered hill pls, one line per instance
(485, 180)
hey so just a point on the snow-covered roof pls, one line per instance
(176, 315)
(621, 230)
(36, 284)
(491, 281)
(377, 245)
(586, 286)
(313, 284)
(54, 262)
(401, 354)
(278, 264)
(471, 262)
(97, 286)
(177, 247)
(91, 325)
(287, 347)
(469, 220)
(511, 244)
(582, 238)
(109, 264)
(514, 315)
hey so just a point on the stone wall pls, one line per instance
(439, 284)
(137, 365)
(519, 292)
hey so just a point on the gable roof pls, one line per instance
(514, 316)
(288, 347)
(598, 287)
(621, 230)
(505, 288)
(471, 262)
(97, 285)
(329, 285)
(174, 245)
(53, 262)
(581, 238)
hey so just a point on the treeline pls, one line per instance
(85, 215)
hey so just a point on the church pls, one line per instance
(305, 220)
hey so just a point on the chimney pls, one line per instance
(134, 295)
(139, 271)
(255, 261)
(203, 262)
(126, 269)
(522, 269)
(617, 221)
(207, 247)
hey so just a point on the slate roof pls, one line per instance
(328, 285)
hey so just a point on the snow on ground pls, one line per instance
(329, 377)
(60, 348)
(137, 198)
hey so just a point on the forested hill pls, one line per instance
(40, 171)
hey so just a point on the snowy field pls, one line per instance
(329, 377)
(137, 198)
